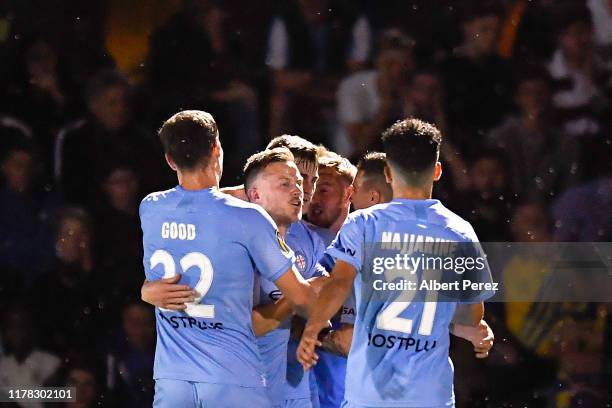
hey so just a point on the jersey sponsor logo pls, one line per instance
(300, 262)
(400, 343)
(188, 322)
(348, 311)
(349, 251)
(282, 243)
(180, 231)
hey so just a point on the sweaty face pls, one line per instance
(310, 175)
(279, 192)
(327, 201)
(361, 197)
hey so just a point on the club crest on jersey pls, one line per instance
(300, 262)
(281, 242)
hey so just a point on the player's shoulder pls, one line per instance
(242, 211)
(158, 199)
(305, 232)
(454, 222)
(371, 214)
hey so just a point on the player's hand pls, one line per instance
(317, 283)
(306, 349)
(167, 293)
(480, 336)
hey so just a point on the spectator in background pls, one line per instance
(582, 213)
(215, 76)
(576, 70)
(25, 215)
(369, 101)
(24, 365)
(70, 288)
(118, 244)
(424, 99)
(129, 362)
(41, 96)
(487, 204)
(83, 149)
(541, 161)
(477, 81)
(87, 386)
(311, 43)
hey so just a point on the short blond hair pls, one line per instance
(341, 165)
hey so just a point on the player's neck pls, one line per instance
(282, 229)
(199, 179)
(336, 225)
(412, 193)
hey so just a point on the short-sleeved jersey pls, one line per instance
(307, 248)
(216, 243)
(390, 365)
(330, 371)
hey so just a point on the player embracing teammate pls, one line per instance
(227, 276)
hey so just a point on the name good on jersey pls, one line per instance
(215, 242)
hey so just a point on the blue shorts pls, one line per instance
(187, 394)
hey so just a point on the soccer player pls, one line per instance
(265, 174)
(207, 354)
(398, 374)
(328, 211)
(370, 186)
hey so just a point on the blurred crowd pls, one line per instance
(522, 91)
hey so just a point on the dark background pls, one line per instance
(520, 89)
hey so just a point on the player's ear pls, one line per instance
(348, 193)
(375, 196)
(388, 176)
(437, 171)
(252, 194)
(170, 162)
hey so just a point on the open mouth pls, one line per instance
(296, 203)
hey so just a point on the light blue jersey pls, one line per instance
(279, 364)
(399, 354)
(216, 243)
(330, 371)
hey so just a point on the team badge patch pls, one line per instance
(300, 262)
(281, 242)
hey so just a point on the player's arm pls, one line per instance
(236, 191)
(481, 336)
(471, 315)
(300, 294)
(338, 341)
(331, 298)
(167, 293)
(269, 317)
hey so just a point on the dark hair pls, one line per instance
(470, 10)
(372, 165)
(188, 138)
(74, 213)
(302, 149)
(532, 72)
(104, 80)
(259, 161)
(412, 147)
